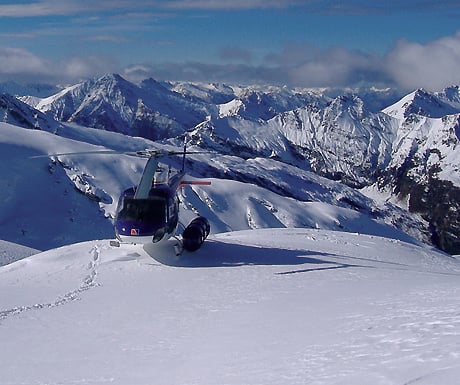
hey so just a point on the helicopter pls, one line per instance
(149, 212)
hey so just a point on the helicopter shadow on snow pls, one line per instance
(221, 254)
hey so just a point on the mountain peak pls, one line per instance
(112, 76)
(424, 103)
(348, 103)
(452, 95)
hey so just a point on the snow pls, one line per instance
(45, 104)
(46, 203)
(266, 306)
(230, 109)
(311, 289)
(422, 102)
(432, 143)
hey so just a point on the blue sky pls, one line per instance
(310, 43)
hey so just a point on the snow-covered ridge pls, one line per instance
(14, 111)
(424, 103)
(338, 137)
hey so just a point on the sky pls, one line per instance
(404, 44)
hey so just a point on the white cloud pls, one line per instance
(432, 66)
(311, 66)
(79, 67)
(73, 7)
(21, 65)
(407, 66)
(107, 38)
(317, 6)
(16, 61)
(41, 8)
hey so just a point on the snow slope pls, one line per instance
(272, 306)
(50, 202)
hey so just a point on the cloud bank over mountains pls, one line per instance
(407, 66)
(302, 61)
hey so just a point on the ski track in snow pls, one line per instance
(88, 282)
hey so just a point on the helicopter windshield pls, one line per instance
(144, 210)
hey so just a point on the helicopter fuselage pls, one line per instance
(149, 219)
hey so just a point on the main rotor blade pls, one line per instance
(147, 153)
(97, 152)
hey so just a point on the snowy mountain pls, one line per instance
(50, 202)
(415, 159)
(111, 103)
(424, 103)
(408, 151)
(290, 124)
(14, 111)
(267, 306)
(312, 137)
(425, 168)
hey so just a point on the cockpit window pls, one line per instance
(148, 210)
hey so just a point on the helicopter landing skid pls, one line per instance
(115, 243)
(178, 247)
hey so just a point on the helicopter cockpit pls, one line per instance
(151, 218)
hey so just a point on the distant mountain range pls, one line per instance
(401, 150)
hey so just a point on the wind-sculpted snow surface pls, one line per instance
(272, 306)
